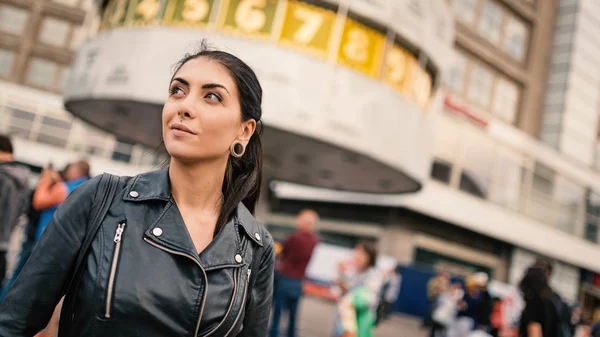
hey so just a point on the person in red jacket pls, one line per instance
(293, 260)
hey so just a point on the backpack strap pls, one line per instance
(107, 188)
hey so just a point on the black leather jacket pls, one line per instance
(143, 276)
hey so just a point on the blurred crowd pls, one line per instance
(471, 311)
(27, 212)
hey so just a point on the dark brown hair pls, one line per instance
(371, 250)
(243, 175)
(5, 144)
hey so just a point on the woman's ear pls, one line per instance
(247, 130)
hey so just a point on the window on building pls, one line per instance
(592, 223)
(13, 20)
(122, 151)
(54, 131)
(478, 162)
(42, 73)
(480, 86)
(54, 31)
(465, 11)
(6, 61)
(441, 171)
(490, 22)
(456, 76)
(515, 38)
(508, 171)
(506, 100)
(540, 205)
(21, 122)
(569, 198)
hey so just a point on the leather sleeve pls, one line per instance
(258, 310)
(30, 302)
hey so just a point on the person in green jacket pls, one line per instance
(357, 308)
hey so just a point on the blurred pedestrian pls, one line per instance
(539, 317)
(14, 196)
(435, 286)
(478, 303)
(173, 252)
(296, 253)
(53, 189)
(389, 294)
(357, 308)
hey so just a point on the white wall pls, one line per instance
(565, 278)
(39, 154)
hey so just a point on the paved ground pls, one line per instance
(316, 320)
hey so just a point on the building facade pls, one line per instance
(500, 193)
(38, 39)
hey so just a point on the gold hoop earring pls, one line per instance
(237, 149)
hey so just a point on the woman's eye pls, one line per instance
(214, 97)
(175, 91)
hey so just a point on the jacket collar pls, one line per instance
(155, 185)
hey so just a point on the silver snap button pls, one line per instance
(238, 258)
(257, 236)
(134, 194)
(157, 231)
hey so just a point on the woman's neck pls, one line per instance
(198, 186)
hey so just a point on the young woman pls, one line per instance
(175, 253)
(357, 309)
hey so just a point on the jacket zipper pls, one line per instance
(235, 286)
(113, 268)
(242, 307)
(203, 273)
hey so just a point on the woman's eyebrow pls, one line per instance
(215, 85)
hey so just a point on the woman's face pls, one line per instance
(361, 259)
(202, 116)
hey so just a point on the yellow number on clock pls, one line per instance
(195, 10)
(249, 15)
(395, 62)
(311, 23)
(148, 9)
(356, 48)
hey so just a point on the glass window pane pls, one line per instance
(515, 36)
(540, 201)
(465, 10)
(569, 199)
(57, 123)
(593, 204)
(508, 176)
(52, 139)
(13, 19)
(506, 99)
(490, 21)
(42, 73)
(6, 61)
(478, 162)
(480, 86)
(441, 171)
(54, 32)
(456, 76)
(122, 151)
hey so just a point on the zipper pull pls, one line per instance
(249, 272)
(119, 233)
